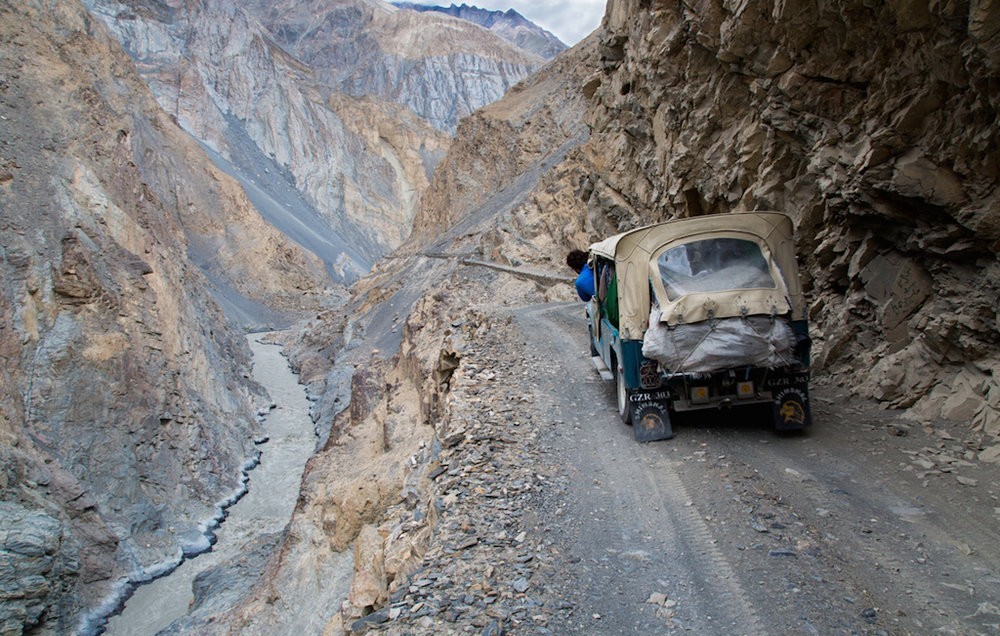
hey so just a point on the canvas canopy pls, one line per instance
(715, 266)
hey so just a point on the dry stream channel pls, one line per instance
(266, 508)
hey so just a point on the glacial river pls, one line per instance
(265, 509)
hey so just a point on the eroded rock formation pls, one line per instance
(127, 413)
(873, 125)
(333, 110)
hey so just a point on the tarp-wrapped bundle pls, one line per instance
(725, 343)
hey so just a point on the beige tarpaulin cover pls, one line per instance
(635, 256)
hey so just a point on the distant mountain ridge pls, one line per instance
(509, 24)
(332, 113)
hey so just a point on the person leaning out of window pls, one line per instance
(577, 260)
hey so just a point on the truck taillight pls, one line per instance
(700, 394)
(744, 390)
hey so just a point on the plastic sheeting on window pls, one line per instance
(714, 264)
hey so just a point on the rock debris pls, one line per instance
(489, 567)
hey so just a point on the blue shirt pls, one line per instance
(585, 284)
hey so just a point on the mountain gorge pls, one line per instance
(884, 156)
(388, 369)
(127, 415)
(336, 112)
(135, 257)
(242, 162)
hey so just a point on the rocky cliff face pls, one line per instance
(128, 414)
(510, 25)
(336, 111)
(873, 125)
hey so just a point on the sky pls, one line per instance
(569, 20)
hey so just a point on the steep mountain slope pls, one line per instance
(439, 68)
(127, 413)
(336, 112)
(219, 72)
(510, 25)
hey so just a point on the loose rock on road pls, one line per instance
(553, 520)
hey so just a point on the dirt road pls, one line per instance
(746, 531)
(553, 520)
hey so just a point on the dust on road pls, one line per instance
(553, 520)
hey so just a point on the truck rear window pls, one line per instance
(716, 264)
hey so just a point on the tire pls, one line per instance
(622, 395)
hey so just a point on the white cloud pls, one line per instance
(569, 20)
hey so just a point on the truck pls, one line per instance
(701, 313)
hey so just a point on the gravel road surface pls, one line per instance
(553, 520)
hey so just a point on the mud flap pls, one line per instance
(791, 408)
(650, 421)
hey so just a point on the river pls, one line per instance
(292, 440)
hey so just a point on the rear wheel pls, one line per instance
(623, 394)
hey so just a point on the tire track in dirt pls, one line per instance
(630, 524)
